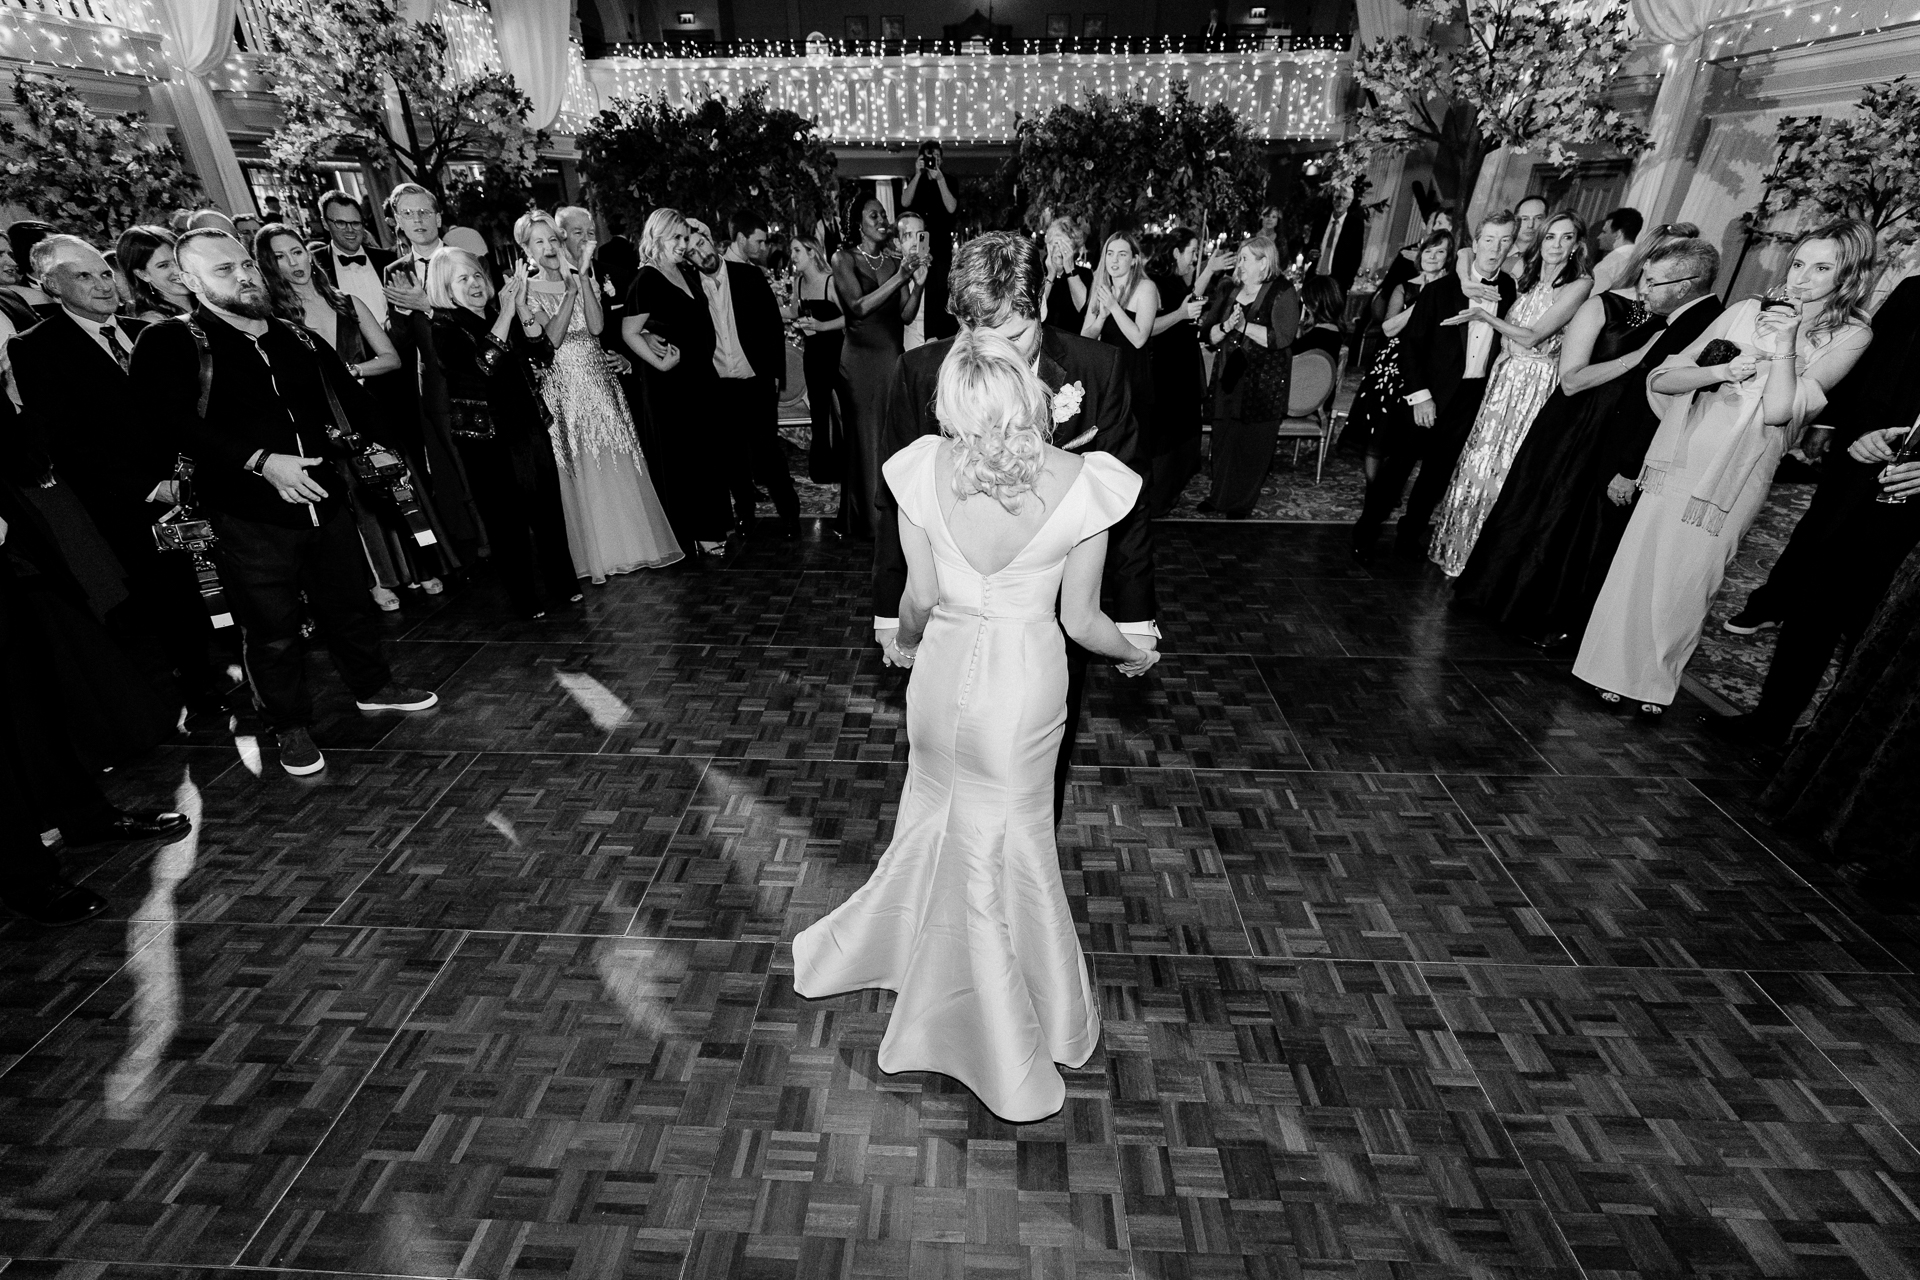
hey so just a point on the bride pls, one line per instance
(966, 917)
(615, 523)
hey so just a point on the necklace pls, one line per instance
(875, 258)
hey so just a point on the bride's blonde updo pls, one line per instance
(997, 409)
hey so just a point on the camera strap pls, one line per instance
(342, 430)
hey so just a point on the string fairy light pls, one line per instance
(84, 33)
(866, 96)
(1797, 25)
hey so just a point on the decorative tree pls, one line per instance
(1531, 75)
(708, 159)
(1211, 164)
(355, 78)
(1865, 165)
(91, 175)
(1127, 163)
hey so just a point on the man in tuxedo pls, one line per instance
(995, 284)
(1444, 369)
(418, 391)
(1676, 282)
(1847, 547)
(257, 408)
(85, 420)
(347, 258)
(750, 353)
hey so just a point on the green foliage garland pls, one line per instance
(87, 174)
(1125, 163)
(707, 158)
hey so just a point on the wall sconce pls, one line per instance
(1257, 14)
(684, 19)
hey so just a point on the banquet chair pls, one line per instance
(1316, 378)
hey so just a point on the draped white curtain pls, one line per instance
(533, 44)
(201, 32)
(1380, 19)
(199, 37)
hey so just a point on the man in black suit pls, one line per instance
(1444, 370)
(1844, 553)
(1676, 282)
(995, 284)
(93, 433)
(750, 353)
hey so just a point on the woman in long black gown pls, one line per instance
(1179, 374)
(1545, 549)
(815, 310)
(670, 330)
(1121, 309)
(876, 289)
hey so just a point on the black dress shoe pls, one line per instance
(140, 824)
(55, 903)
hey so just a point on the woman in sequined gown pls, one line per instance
(615, 522)
(1552, 288)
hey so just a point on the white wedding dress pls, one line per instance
(966, 917)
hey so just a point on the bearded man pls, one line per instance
(257, 405)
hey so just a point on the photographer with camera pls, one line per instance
(256, 403)
(928, 195)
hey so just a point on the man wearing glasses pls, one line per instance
(349, 262)
(1677, 283)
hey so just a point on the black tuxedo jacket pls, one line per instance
(1105, 422)
(99, 432)
(1882, 389)
(322, 252)
(1634, 420)
(757, 317)
(1433, 356)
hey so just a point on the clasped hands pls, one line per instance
(895, 654)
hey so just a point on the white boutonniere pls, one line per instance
(1066, 402)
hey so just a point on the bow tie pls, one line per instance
(351, 259)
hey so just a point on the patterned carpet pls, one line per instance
(1728, 667)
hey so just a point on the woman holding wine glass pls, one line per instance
(1731, 404)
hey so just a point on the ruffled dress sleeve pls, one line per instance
(1112, 490)
(909, 476)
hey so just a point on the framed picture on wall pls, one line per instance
(1059, 26)
(893, 26)
(1093, 26)
(856, 26)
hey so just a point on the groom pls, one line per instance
(995, 284)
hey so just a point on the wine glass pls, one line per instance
(1909, 451)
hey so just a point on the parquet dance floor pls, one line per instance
(1415, 963)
